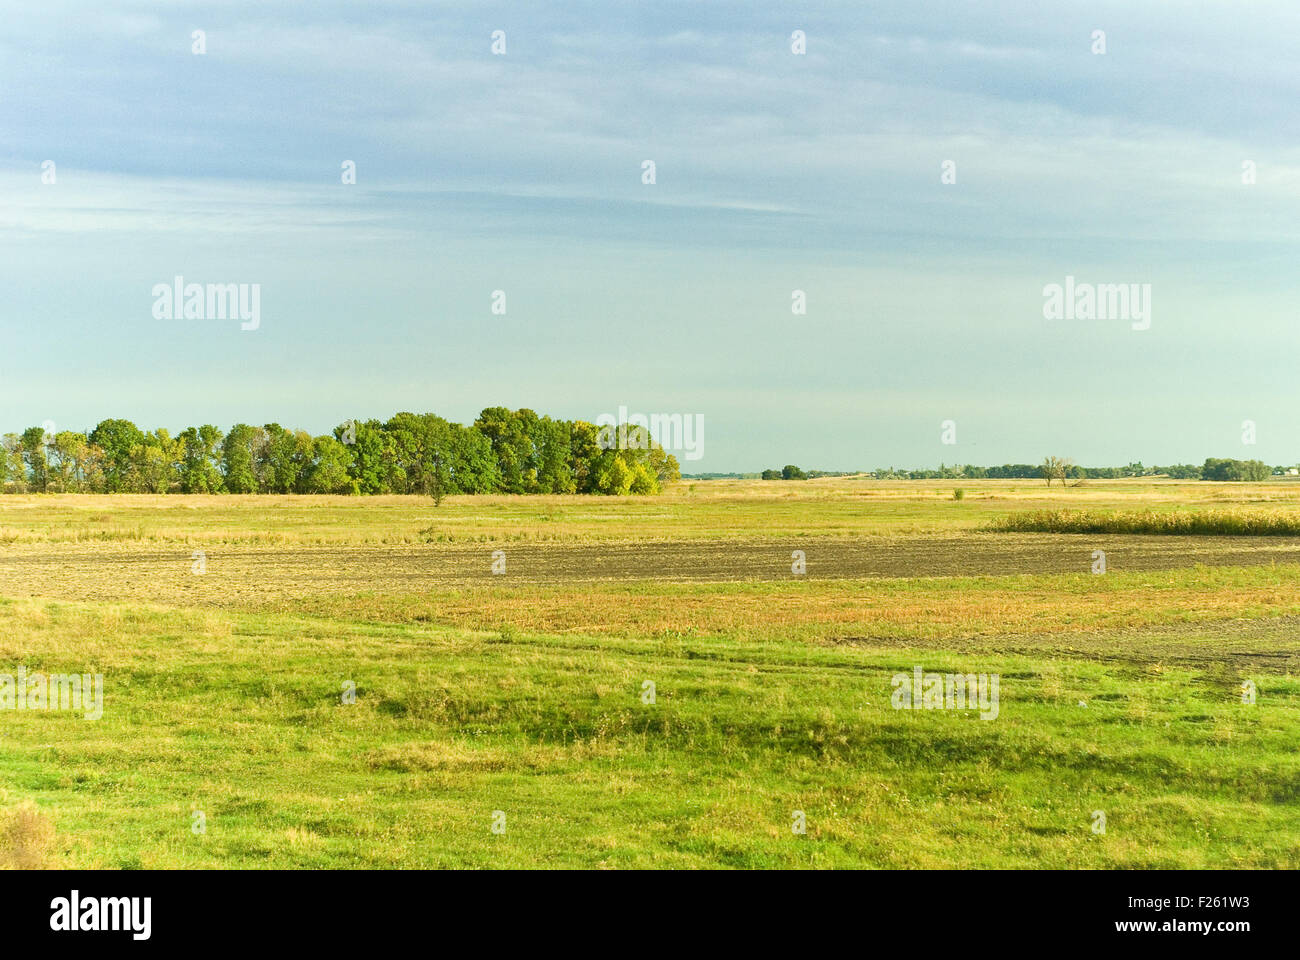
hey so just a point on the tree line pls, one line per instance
(1056, 468)
(503, 451)
(1052, 468)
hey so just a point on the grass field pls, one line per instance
(523, 693)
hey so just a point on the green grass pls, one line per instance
(476, 693)
(240, 716)
(1239, 523)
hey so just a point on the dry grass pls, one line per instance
(946, 608)
(1233, 523)
(26, 836)
(853, 506)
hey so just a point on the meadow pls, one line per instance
(324, 682)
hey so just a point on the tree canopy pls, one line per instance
(503, 451)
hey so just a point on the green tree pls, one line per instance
(237, 459)
(116, 438)
(200, 470)
(512, 435)
(154, 465)
(328, 472)
(555, 458)
(615, 478)
(471, 467)
(584, 455)
(34, 458)
(664, 466)
(1255, 471)
(11, 463)
(372, 457)
(414, 444)
(1249, 470)
(70, 455)
(644, 480)
(273, 461)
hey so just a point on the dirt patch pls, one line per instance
(235, 576)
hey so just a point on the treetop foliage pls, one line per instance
(503, 451)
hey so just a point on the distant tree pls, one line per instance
(1180, 471)
(615, 478)
(584, 448)
(791, 472)
(1256, 471)
(277, 460)
(644, 480)
(154, 464)
(438, 478)
(116, 438)
(373, 458)
(71, 456)
(237, 459)
(507, 431)
(33, 448)
(771, 474)
(504, 450)
(1253, 471)
(328, 472)
(650, 465)
(200, 452)
(555, 458)
(471, 468)
(1055, 468)
(11, 458)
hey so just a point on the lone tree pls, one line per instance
(1055, 468)
(437, 479)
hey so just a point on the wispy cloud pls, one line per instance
(774, 171)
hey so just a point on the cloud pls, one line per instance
(775, 171)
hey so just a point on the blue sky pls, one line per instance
(774, 172)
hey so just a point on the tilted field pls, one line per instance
(522, 692)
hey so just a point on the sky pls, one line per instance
(1170, 159)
